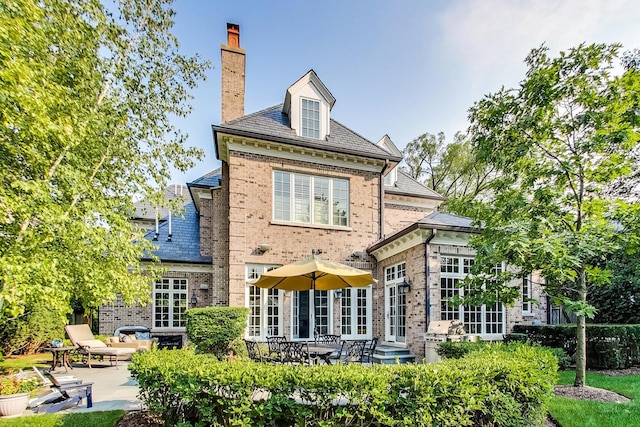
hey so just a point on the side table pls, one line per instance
(60, 356)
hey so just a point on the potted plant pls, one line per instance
(14, 394)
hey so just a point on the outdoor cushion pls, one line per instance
(125, 338)
(91, 343)
(143, 335)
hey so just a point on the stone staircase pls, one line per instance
(388, 354)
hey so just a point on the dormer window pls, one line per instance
(310, 115)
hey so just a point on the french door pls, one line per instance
(355, 313)
(311, 314)
(395, 304)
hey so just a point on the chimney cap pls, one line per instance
(233, 35)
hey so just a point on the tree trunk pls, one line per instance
(581, 335)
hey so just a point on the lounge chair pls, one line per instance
(64, 391)
(82, 337)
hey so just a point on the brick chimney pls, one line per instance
(233, 64)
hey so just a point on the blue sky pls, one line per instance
(397, 67)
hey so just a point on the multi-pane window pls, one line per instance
(264, 305)
(396, 302)
(310, 116)
(477, 319)
(169, 303)
(310, 199)
(354, 317)
(526, 295)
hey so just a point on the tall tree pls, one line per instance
(557, 141)
(448, 169)
(86, 98)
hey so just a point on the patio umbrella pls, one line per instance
(314, 274)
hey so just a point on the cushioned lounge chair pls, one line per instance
(82, 337)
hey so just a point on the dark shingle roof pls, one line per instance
(185, 239)
(145, 210)
(443, 219)
(211, 179)
(408, 186)
(273, 125)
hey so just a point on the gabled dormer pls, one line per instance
(308, 104)
(391, 177)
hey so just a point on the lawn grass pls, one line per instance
(15, 363)
(585, 413)
(82, 419)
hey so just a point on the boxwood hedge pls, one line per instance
(488, 387)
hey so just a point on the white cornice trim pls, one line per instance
(455, 238)
(291, 152)
(401, 244)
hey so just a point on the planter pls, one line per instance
(13, 405)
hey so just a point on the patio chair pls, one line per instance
(296, 353)
(64, 391)
(275, 347)
(82, 337)
(328, 339)
(351, 352)
(253, 349)
(367, 354)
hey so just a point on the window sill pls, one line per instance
(161, 330)
(319, 226)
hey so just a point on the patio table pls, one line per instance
(322, 351)
(60, 356)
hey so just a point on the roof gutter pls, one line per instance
(297, 142)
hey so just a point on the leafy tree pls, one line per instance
(556, 141)
(448, 169)
(618, 302)
(86, 97)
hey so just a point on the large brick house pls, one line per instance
(294, 180)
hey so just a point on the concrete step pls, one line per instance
(391, 355)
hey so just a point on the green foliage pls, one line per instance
(83, 419)
(558, 141)
(457, 350)
(564, 360)
(608, 346)
(619, 301)
(216, 329)
(87, 92)
(13, 384)
(29, 332)
(448, 169)
(488, 387)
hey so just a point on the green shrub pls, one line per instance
(214, 329)
(564, 361)
(31, 331)
(509, 338)
(491, 386)
(608, 346)
(457, 350)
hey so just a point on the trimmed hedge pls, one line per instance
(214, 329)
(489, 387)
(608, 346)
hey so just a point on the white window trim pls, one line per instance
(292, 201)
(483, 308)
(171, 292)
(389, 283)
(264, 297)
(526, 295)
(302, 128)
(312, 319)
(354, 314)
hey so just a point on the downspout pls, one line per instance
(381, 200)
(427, 270)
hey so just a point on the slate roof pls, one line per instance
(184, 246)
(406, 185)
(211, 179)
(446, 220)
(145, 210)
(272, 124)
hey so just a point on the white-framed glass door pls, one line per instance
(395, 304)
(355, 313)
(311, 314)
